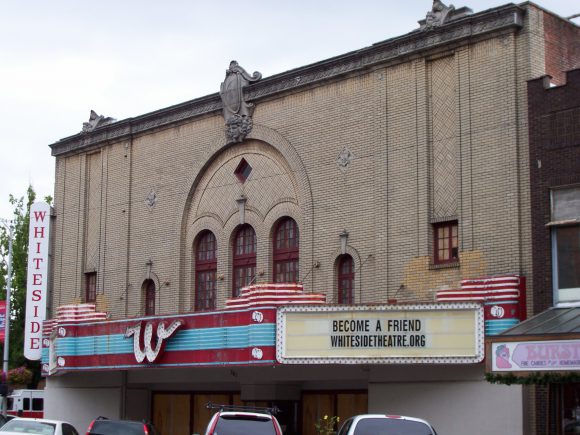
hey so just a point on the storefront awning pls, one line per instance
(537, 349)
(556, 320)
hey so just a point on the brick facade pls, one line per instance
(563, 53)
(426, 146)
(554, 114)
(436, 127)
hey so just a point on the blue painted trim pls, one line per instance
(184, 340)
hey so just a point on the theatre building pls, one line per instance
(336, 239)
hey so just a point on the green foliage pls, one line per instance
(20, 222)
(538, 378)
(327, 425)
(19, 376)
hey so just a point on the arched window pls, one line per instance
(286, 251)
(205, 272)
(149, 293)
(244, 259)
(345, 280)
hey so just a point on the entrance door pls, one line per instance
(202, 415)
(171, 413)
(316, 405)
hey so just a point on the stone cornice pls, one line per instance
(397, 49)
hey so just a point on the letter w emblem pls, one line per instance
(143, 345)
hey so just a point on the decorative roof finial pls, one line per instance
(441, 14)
(237, 113)
(96, 121)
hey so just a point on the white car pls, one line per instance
(373, 424)
(40, 426)
(242, 420)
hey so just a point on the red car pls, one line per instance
(104, 426)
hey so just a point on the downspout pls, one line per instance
(129, 155)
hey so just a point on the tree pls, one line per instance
(20, 222)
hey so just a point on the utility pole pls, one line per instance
(10, 226)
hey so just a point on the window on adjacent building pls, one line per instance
(91, 287)
(286, 251)
(345, 280)
(445, 243)
(205, 272)
(149, 290)
(565, 225)
(244, 263)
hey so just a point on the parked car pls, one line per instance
(5, 418)
(104, 426)
(41, 426)
(372, 424)
(242, 420)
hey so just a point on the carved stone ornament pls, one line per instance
(344, 159)
(151, 199)
(238, 127)
(237, 113)
(162, 334)
(440, 14)
(96, 121)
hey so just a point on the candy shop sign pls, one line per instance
(36, 292)
(536, 356)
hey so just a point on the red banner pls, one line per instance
(2, 320)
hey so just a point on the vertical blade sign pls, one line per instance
(2, 320)
(36, 292)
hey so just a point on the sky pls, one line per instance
(123, 58)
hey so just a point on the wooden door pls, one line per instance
(202, 415)
(343, 405)
(314, 407)
(171, 413)
(349, 404)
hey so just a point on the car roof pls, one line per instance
(252, 414)
(40, 420)
(391, 416)
(112, 420)
(105, 421)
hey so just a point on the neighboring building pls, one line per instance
(328, 254)
(551, 339)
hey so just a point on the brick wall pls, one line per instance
(554, 114)
(562, 47)
(385, 198)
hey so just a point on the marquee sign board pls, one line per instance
(387, 334)
(218, 338)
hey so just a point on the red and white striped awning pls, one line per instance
(495, 288)
(274, 294)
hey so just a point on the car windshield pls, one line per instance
(29, 426)
(374, 426)
(240, 424)
(109, 427)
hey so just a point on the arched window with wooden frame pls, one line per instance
(149, 296)
(345, 280)
(286, 252)
(244, 258)
(205, 272)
